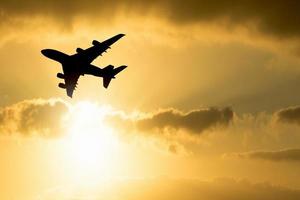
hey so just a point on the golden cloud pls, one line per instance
(178, 189)
(281, 155)
(194, 122)
(30, 117)
(289, 115)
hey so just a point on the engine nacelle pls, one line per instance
(60, 75)
(79, 50)
(62, 85)
(96, 43)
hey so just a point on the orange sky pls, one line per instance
(207, 108)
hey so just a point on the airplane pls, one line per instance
(79, 64)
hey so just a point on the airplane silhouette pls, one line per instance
(80, 64)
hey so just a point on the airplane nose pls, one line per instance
(54, 55)
(44, 52)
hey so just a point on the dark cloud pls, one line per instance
(195, 121)
(282, 155)
(41, 117)
(280, 18)
(289, 115)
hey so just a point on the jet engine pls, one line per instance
(60, 75)
(62, 85)
(96, 43)
(79, 50)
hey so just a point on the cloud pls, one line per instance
(175, 189)
(279, 18)
(29, 117)
(194, 122)
(281, 155)
(289, 115)
(45, 118)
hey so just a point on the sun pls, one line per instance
(91, 145)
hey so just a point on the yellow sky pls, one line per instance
(208, 107)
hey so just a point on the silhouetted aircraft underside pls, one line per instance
(79, 64)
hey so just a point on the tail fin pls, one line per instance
(110, 73)
(106, 81)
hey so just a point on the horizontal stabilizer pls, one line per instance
(119, 69)
(110, 73)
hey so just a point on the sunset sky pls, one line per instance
(208, 108)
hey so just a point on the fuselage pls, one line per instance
(73, 62)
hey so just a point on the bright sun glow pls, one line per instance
(91, 144)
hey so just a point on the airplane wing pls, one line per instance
(98, 48)
(71, 83)
(71, 78)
